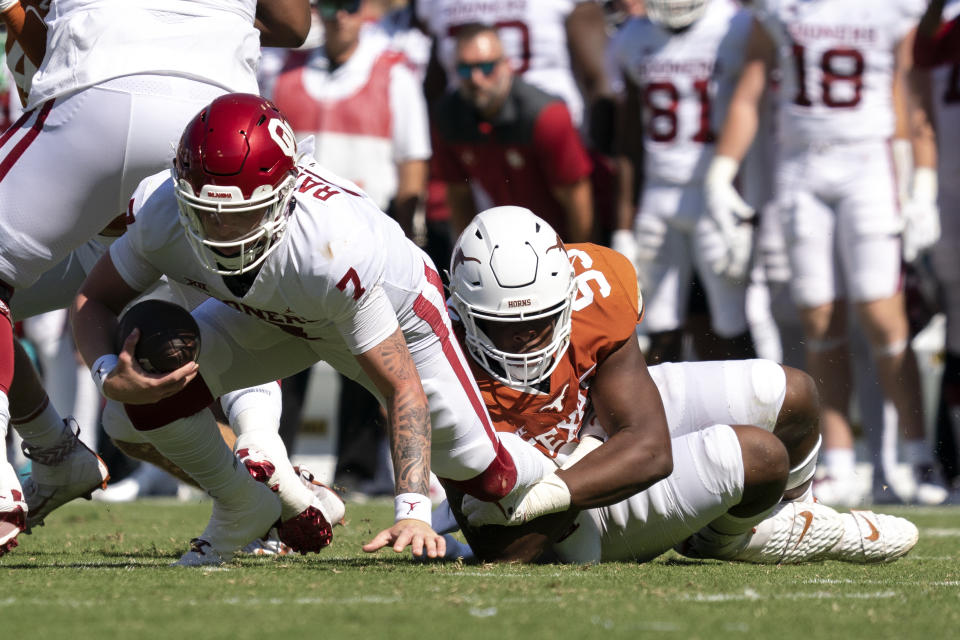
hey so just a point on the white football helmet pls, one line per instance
(510, 266)
(675, 14)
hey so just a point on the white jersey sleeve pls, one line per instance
(153, 226)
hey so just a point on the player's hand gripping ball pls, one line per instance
(169, 336)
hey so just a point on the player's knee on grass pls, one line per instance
(766, 466)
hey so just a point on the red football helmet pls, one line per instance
(237, 156)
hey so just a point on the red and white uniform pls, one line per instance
(101, 118)
(368, 114)
(700, 400)
(946, 253)
(533, 33)
(342, 280)
(685, 81)
(836, 184)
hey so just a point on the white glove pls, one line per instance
(548, 495)
(726, 255)
(921, 217)
(731, 216)
(623, 242)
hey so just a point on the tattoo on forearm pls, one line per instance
(409, 415)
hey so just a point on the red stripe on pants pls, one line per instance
(11, 158)
(500, 476)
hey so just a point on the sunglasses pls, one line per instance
(465, 70)
(328, 8)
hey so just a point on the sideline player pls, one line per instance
(98, 119)
(550, 330)
(300, 266)
(682, 61)
(842, 65)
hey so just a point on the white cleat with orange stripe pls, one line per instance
(870, 537)
(794, 532)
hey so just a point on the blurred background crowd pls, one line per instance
(667, 131)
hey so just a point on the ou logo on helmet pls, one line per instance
(282, 134)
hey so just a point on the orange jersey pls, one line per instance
(26, 41)
(606, 312)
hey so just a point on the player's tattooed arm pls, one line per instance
(392, 370)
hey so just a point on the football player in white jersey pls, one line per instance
(545, 40)
(842, 64)
(99, 119)
(682, 62)
(300, 266)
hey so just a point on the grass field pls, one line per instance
(100, 571)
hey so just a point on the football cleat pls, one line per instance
(870, 537)
(60, 473)
(309, 507)
(13, 515)
(794, 532)
(202, 554)
(232, 527)
(269, 545)
(930, 487)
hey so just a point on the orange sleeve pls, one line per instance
(27, 30)
(612, 315)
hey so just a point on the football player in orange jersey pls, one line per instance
(688, 455)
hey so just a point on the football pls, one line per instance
(169, 336)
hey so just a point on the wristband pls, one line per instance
(412, 505)
(102, 367)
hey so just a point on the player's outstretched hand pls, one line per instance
(416, 534)
(130, 384)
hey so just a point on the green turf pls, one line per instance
(100, 571)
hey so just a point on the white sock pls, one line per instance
(257, 427)
(8, 476)
(917, 452)
(806, 496)
(195, 445)
(840, 463)
(42, 427)
(4, 427)
(730, 525)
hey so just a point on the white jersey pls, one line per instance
(90, 41)
(534, 36)
(837, 63)
(343, 276)
(685, 81)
